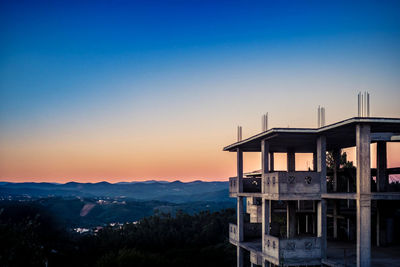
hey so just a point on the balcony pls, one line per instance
(233, 233)
(250, 185)
(292, 185)
(251, 231)
(293, 251)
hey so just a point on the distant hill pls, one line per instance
(176, 192)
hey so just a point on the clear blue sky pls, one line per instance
(101, 77)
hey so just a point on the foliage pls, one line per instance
(31, 237)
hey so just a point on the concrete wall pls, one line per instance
(250, 185)
(300, 249)
(291, 182)
(255, 258)
(254, 208)
(271, 248)
(279, 251)
(232, 186)
(233, 231)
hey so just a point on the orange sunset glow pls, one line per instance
(129, 99)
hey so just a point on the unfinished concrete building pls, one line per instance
(330, 214)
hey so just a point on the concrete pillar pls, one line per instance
(336, 159)
(321, 208)
(321, 161)
(381, 165)
(381, 224)
(239, 170)
(239, 256)
(315, 163)
(363, 141)
(382, 186)
(291, 161)
(265, 263)
(291, 225)
(348, 229)
(271, 162)
(240, 229)
(335, 219)
(265, 220)
(240, 222)
(307, 224)
(322, 225)
(264, 156)
(336, 166)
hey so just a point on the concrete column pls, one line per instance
(381, 224)
(335, 219)
(321, 161)
(348, 229)
(266, 219)
(239, 170)
(381, 165)
(336, 167)
(240, 222)
(378, 225)
(271, 162)
(264, 156)
(363, 141)
(321, 208)
(322, 225)
(291, 161)
(239, 257)
(267, 216)
(315, 163)
(240, 229)
(265, 263)
(291, 225)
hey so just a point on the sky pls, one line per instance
(134, 90)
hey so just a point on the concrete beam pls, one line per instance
(363, 141)
(386, 137)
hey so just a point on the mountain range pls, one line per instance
(175, 192)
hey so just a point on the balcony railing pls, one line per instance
(301, 182)
(233, 232)
(250, 185)
(292, 250)
(251, 231)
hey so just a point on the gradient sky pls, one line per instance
(125, 90)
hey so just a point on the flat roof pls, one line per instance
(338, 135)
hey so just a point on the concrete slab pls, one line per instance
(344, 254)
